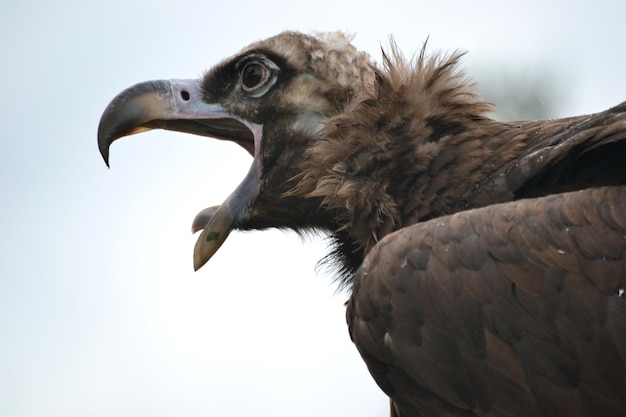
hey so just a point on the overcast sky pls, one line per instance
(101, 313)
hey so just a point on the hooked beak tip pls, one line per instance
(105, 155)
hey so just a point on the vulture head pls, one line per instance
(299, 104)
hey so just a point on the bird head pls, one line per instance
(272, 99)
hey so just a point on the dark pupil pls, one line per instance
(252, 75)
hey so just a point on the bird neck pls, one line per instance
(391, 158)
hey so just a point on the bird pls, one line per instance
(484, 261)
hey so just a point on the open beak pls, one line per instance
(178, 105)
(170, 105)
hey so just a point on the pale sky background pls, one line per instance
(101, 313)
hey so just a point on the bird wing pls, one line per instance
(558, 155)
(511, 309)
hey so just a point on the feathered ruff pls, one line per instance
(410, 108)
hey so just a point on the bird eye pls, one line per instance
(253, 75)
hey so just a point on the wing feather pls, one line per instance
(512, 309)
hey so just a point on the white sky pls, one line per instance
(100, 312)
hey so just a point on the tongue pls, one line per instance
(203, 218)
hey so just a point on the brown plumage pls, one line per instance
(485, 260)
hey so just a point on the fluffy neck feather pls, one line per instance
(379, 163)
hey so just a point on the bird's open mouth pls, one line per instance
(178, 105)
(228, 129)
(170, 105)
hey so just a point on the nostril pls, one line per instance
(185, 95)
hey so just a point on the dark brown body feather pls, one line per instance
(508, 310)
(419, 144)
(486, 260)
